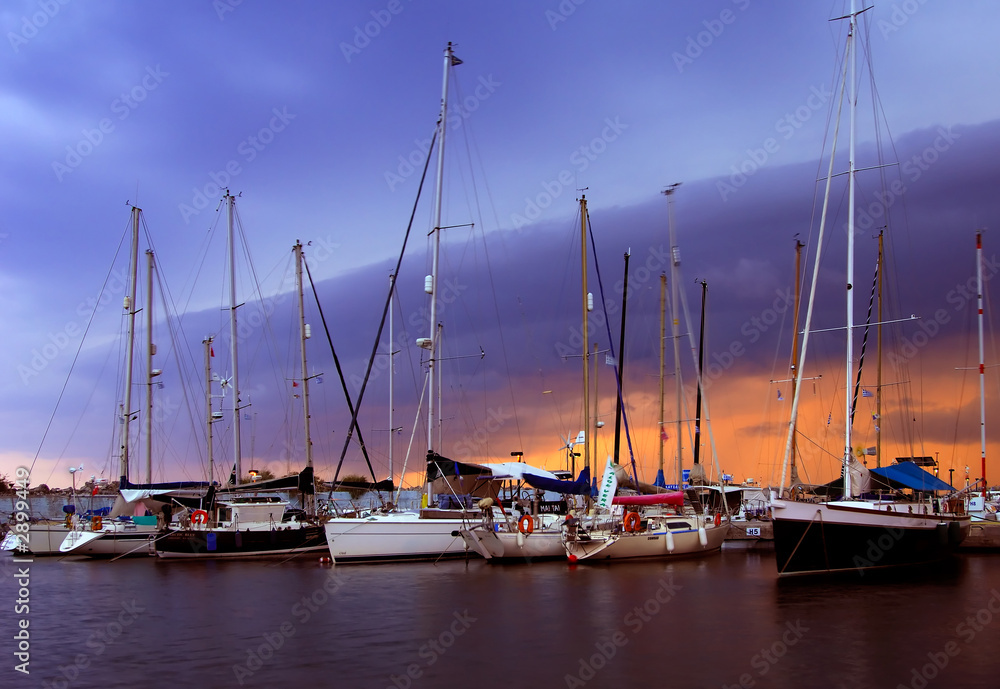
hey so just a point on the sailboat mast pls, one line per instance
(982, 359)
(852, 55)
(130, 340)
(150, 373)
(697, 470)
(794, 470)
(392, 365)
(304, 335)
(621, 361)
(209, 419)
(233, 349)
(431, 285)
(587, 305)
(675, 262)
(878, 381)
(663, 356)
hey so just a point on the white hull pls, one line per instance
(43, 538)
(114, 540)
(504, 545)
(653, 542)
(394, 537)
(502, 541)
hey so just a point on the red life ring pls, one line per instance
(526, 524)
(718, 518)
(632, 521)
(199, 517)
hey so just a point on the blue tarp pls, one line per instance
(581, 486)
(910, 475)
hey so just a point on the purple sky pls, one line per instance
(319, 114)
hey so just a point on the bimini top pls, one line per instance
(909, 475)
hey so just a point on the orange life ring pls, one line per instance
(199, 517)
(526, 524)
(95, 523)
(632, 521)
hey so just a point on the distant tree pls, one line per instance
(355, 493)
(5, 485)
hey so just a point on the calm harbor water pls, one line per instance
(721, 621)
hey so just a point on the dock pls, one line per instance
(983, 535)
(748, 533)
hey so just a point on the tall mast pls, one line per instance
(982, 359)
(303, 336)
(130, 339)
(621, 361)
(697, 472)
(794, 470)
(150, 373)
(852, 55)
(663, 356)
(597, 407)
(675, 262)
(878, 381)
(233, 350)
(209, 419)
(587, 306)
(430, 286)
(392, 366)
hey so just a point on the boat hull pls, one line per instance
(232, 544)
(648, 544)
(814, 538)
(395, 537)
(505, 546)
(44, 538)
(114, 542)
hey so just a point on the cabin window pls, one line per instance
(225, 514)
(675, 526)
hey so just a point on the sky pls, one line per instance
(319, 117)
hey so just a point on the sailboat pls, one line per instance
(119, 533)
(853, 534)
(649, 521)
(541, 536)
(453, 489)
(250, 521)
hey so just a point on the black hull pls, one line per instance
(205, 544)
(804, 547)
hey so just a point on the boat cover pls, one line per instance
(673, 498)
(909, 475)
(581, 486)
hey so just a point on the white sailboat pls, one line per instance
(120, 534)
(853, 534)
(542, 536)
(431, 532)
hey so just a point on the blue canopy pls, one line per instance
(581, 486)
(909, 475)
